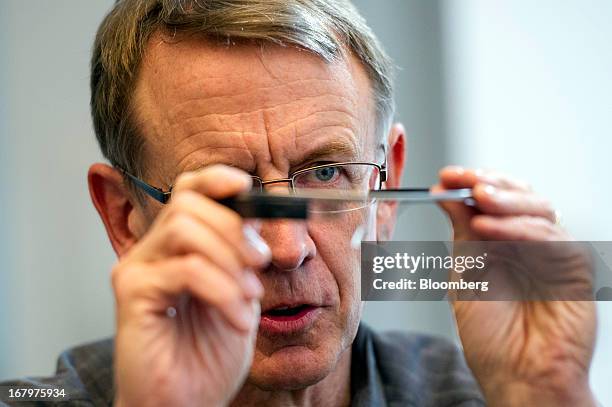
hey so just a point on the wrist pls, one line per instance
(510, 394)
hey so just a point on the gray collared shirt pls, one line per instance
(387, 369)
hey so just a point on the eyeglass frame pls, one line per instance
(164, 196)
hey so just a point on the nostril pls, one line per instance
(290, 243)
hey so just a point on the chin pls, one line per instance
(292, 368)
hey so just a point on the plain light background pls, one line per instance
(519, 86)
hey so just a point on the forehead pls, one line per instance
(199, 102)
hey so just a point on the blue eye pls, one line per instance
(326, 174)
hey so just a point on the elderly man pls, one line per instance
(198, 100)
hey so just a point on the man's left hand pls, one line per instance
(521, 352)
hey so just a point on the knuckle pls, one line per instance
(543, 224)
(183, 181)
(176, 227)
(548, 226)
(180, 200)
(184, 199)
(121, 281)
(116, 275)
(193, 265)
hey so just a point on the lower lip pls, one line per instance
(289, 324)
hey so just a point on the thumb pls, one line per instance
(460, 215)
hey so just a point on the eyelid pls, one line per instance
(314, 164)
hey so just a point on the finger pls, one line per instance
(217, 181)
(459, 214)
(183, 234)
(226, 223)
(517, 228)
(162, 283)
(496, 201)
(501, 181)
(453, 177)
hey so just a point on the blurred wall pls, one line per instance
(55, 267)
(5, 248)
(529, 92)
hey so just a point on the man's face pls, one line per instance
(269, 111)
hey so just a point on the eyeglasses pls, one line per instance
(327, 188)
(356, 177)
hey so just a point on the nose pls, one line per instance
(289, 242)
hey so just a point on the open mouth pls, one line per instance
(288, 319)
(288, 311)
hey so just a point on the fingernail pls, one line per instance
(254, 316)
(254, 223)
(256, 308)
(252, 285)
(457, 169)
(256, 242)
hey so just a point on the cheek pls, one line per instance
(332, 236)
(385, 217)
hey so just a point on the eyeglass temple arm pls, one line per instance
(155, 193)
(383, 168)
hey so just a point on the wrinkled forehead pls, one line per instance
(199, 102)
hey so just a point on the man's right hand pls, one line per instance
(197, 258)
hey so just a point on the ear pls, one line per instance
(396, 156)
(113, 202)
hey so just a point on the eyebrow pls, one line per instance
(334, 148)
(337, 149)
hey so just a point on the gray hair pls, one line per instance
(327, 28)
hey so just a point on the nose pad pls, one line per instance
(289, 242)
